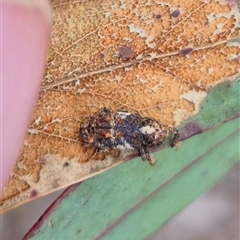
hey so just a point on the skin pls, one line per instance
(25, 40)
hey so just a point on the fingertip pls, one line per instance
(25, 40)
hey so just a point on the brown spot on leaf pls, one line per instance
(175, 13)
(185, 51)
(158, 16)
(191, 129)
(66, 164)
(101, 55)
(33, 193)
(126, 52)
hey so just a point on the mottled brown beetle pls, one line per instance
(121, 129)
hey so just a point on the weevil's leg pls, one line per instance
(105, 110)
(94, 154)
(176, 137)
(104, 114)
(98, 147)
(103, 144)
(142, 153)
(146, 155)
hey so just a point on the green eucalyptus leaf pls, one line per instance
(132, 200)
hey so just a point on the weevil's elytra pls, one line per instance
(106, 130)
